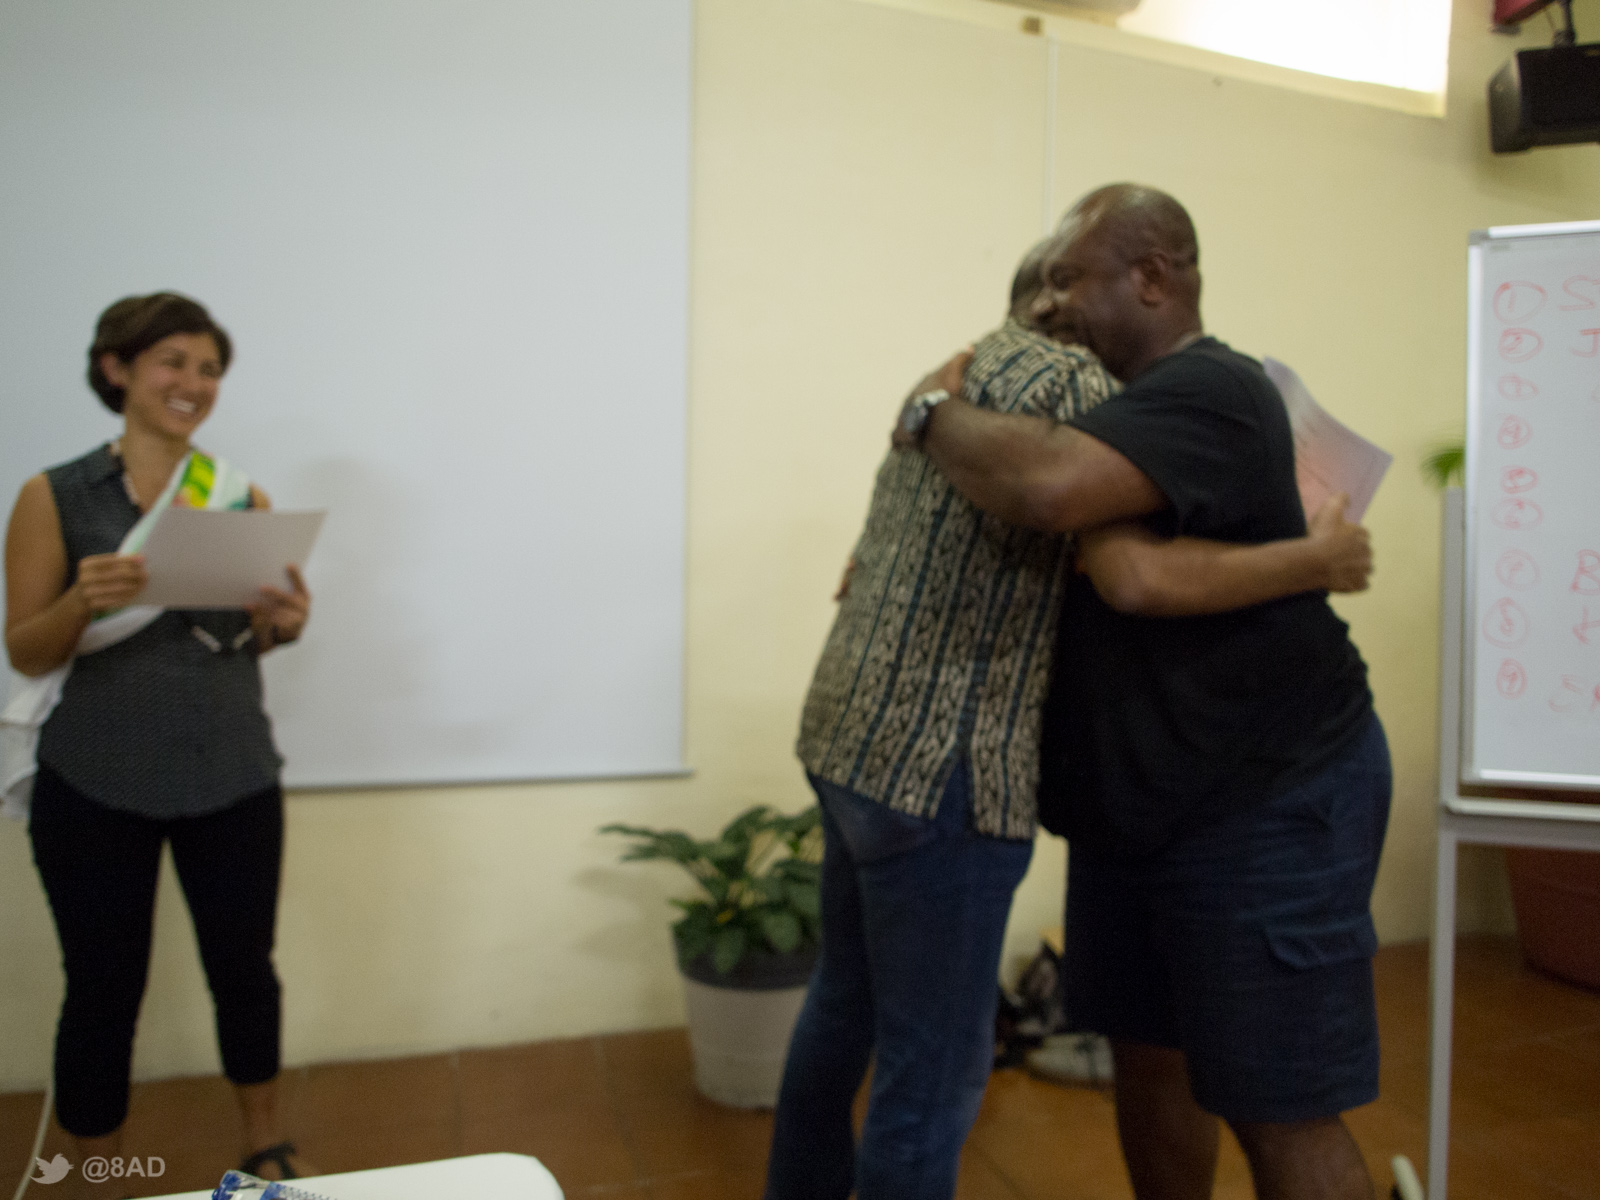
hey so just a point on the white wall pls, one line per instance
(864, 179)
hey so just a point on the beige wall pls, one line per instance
(864, 179)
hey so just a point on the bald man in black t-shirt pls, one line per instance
(1223, 779)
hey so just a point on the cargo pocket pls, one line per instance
(1323, 943)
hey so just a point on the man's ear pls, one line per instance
(114, 369)
(1153, 278)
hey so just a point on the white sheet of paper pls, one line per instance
(221, 558)
(1329, 456)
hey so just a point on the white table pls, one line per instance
(491, 1176)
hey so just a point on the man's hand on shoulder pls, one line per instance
(909, 426)
(1346, 548)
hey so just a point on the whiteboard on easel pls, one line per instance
(1531, 711)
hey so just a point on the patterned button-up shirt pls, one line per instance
(941, 647)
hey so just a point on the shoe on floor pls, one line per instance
(1083, 1059)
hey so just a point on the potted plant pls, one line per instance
(745, 943)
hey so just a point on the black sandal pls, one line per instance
(278, 1154)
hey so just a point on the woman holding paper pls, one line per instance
(149, 729)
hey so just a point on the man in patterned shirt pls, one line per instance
(921, 737)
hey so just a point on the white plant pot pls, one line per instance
(740, 1037)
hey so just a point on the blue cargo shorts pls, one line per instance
(1247, 945)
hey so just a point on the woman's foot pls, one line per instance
(281, 1160)
(273, 1155)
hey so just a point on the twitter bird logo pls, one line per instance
(53, 1171)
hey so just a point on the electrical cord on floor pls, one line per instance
(1406, 1184)
(38, 1138)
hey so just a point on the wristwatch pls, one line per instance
(914, 417)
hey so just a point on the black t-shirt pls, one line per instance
(1155, 726)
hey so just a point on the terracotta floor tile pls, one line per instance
(189, 1168)
(1233, 1171)
(743, 1184)
(360, 1148)
(1488, 1172)
(858, 1107)
(111, 1190)
(1400, 974)
(654, 1060)
(1472, 1113)
(1405, 1089)
(581, 1149)
(166, 1116)
(1531, 1081)
(1582, 1043)
(617, 1117)
(531, 1078)
(1563, 1152)
(981, 1179)
(669, 1137)
(1509, 1002)
(193, 1165)
(1046, 1140)
(1382, 1130)
(19, 1120)
(369, 1095)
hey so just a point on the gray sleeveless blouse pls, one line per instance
(158, 724)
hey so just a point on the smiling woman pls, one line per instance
(162, 336)
(138, 727)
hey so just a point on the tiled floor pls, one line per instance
(617, 1116)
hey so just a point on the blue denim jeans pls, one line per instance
(913, 915)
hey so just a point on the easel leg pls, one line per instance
(1442, 1002)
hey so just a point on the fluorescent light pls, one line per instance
(1400, 43)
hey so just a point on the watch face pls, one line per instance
(912, 418)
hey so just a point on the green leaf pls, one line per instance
(727, 948)
(747, 824)
(797, 871)
(770, 889)
(795, 828)
(759, 876)
(805, 899)
(781, 929)
(1445, 465)
(693, 938)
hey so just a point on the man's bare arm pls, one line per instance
(1136, 572)
(1028, 471)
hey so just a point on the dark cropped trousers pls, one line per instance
(99, 866)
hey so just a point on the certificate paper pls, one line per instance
(1329, 456)
(211, 558)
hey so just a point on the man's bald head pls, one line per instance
(1135, 222)
(1122, 275)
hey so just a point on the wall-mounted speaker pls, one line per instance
(1546, 98)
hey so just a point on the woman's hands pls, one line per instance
(109, 581)
(280, 616)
